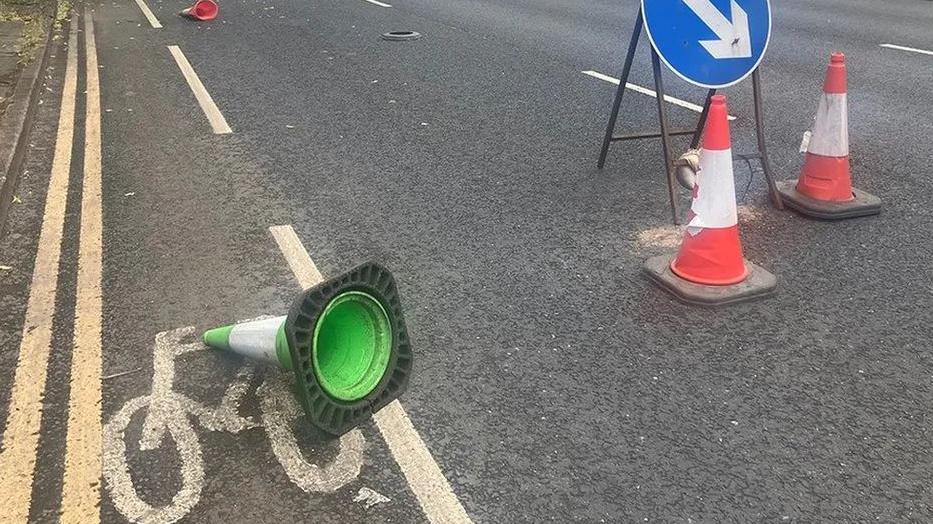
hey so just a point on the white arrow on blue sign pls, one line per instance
(709, 43)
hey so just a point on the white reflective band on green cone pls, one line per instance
(256, 339)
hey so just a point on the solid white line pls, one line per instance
(380, 4)
(911, 49)
(82, 470)
(217, 120)
(645, 91)
(424, 476)
(21, 435)
(153, 21)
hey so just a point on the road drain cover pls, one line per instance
(401, 35)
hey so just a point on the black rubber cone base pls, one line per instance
(864, 204)
(758, 284)
(330, 414)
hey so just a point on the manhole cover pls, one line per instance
(401, 35)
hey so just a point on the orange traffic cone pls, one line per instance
(824, 189)
(202, 10)
(711, 252)
(709, 268)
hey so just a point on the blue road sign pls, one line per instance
(709, 43)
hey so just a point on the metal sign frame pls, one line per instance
(666, 133)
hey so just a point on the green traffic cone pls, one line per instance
(346, 341)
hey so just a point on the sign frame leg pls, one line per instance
(666, 132)
(698, 134)
(617, 102)
(762, 148)
(665, 138)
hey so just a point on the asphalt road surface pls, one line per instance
(200, 172)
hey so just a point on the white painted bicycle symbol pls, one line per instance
(171, 412)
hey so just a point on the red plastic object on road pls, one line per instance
(824, 189)
(202, 10)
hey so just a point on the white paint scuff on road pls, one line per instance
(213, 114)
(905, 48)
(424, 476)
(377, 2)
(21, 435)
(81, 487)
(645, 91)
(153, 21)
(370, 497)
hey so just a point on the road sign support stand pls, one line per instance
(666, 133)
(762, 147)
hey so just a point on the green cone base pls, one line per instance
(350, 347)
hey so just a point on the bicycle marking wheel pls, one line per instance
(116, 470)
(279, 411)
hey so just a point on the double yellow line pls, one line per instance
(81, 488)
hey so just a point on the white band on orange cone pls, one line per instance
(830, 135)
(714, 206)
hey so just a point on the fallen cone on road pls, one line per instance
(709, 268)
(345, 340)
(824, 189)
(202, 10)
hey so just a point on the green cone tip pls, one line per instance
(218, 338)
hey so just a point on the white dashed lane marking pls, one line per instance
(213, 114)
(153, 21)
(908, 49)
(645, 91)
